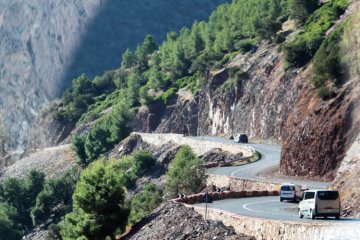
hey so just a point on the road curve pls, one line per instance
(268, 208)
(264, 207)
(270, 159)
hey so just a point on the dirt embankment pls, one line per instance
(199, 146)
(54, 162)
(175, 221)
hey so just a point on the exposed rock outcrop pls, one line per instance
(348, 181)
(179, 115)
(47, 131)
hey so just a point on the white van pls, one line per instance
(320, 203)
(291, 192)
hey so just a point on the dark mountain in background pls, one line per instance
(43, 45)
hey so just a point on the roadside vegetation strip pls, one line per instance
(215, 196)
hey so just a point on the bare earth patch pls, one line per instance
(54, 162)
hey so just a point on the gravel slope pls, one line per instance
(54, 162)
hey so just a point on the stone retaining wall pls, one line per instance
(238, 184)
(198, 198)
(266, 229)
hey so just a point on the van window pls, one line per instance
(287, 188)
(328, 195)
(309, 195)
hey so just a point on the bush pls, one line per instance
(78, 146)
(142, 161)
(166, 96)
(324, 93)
(186, 174)
(21, 194)
(279, 38)
(9, 225)
(144, 202)
(55, 192)
(327, 64)
(301, 9)
(300, 50)
(98, 204)
(245, 46)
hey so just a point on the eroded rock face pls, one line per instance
(316, 135)
(36, 46)
(348, 181)
(258, 101)
(47, 132)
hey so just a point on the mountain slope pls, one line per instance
(45, 45)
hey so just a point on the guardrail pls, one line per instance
(215, 196)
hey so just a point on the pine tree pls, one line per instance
(301, 9)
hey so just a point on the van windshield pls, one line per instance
(328, 195)
(287, 188)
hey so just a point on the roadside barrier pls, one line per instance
(215, 196)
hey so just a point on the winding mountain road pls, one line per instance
(264, 207)
(270, 158)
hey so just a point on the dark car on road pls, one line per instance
(241, 138)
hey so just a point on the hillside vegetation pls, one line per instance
(154, 73)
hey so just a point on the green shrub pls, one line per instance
(300, 50)
(327, 64)
(245, 45)
(98, 204)
(55, 192)
(324, 93)
(78, 146)
(10, 228)
(186, 174)
(166, 96)
(21, 194)
(144, 202)
(301, 9)
(142, 161)
(279, 38)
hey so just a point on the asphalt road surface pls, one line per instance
(268, 208)
(264, 207)
(270, 159)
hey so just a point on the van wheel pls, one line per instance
(337, 217)
(281, 199)
(300, 214)
(312, 214)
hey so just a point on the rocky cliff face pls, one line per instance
(37, 42)
(45, 44)
(348, 177)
